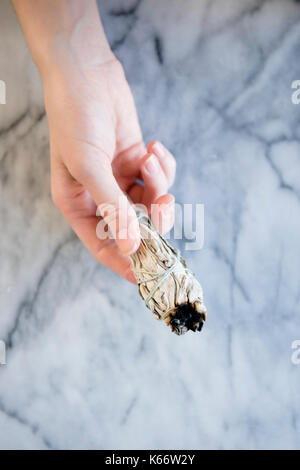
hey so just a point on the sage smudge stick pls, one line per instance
(169, 289)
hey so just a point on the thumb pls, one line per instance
(112, 204)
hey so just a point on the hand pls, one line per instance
(97, 154)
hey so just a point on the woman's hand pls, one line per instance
(97, 154)
(97, 150)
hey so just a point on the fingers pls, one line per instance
(126, 164)
(136, 193)
(165, 158)
(87, 181)
(160, 204)
(154, 178)
(94, 172)
(162, 213)
(79, 209)
(158, 169)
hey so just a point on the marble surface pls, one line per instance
(87, 365)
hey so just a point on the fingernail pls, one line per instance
(134, 247)
(133, 240)
(167, 214)
(159, 149)
(168, 209)
(128, 247)
(151, 165)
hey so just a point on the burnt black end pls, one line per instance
(185, 318)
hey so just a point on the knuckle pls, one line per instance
(83, 169)
(90, 165)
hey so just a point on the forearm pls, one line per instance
(62, 32)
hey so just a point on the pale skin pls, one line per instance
(96, 145)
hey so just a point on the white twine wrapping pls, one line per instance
(156, 262)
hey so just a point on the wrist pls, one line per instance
(63, 32)
(65, 56)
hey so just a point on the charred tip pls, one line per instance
(185, 318)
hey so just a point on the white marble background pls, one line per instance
(87, 365)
